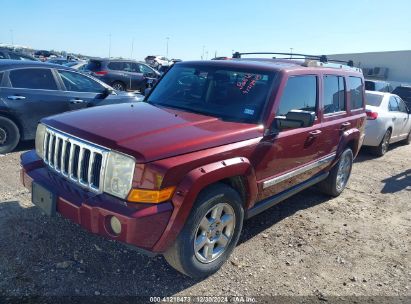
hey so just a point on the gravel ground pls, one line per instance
(310, 245)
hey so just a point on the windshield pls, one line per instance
(230, 94)
(373, 99)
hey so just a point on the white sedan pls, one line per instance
(388, 121)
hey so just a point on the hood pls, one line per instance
(149, 132)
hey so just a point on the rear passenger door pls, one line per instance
(290, 157)
(395, 116)
(334, 113)
(31, 94)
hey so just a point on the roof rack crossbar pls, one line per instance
(321, 58)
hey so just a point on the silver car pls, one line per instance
(388, 121)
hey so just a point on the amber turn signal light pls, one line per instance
(150, 196)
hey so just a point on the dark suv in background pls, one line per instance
(405, 93)
(377, 85)
(123, 74)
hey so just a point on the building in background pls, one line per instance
(394, 67)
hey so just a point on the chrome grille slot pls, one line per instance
(79, 161)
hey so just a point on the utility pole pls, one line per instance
(167, 39)
(202, 56)
(109, 45)
(291, 53)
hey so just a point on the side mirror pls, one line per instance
(293, 119)
(107, 92)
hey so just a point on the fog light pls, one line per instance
(115, 225)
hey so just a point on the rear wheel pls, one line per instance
(407, 141)
(9, 135)
(210, 233)
(383, 146)
(118, 85)
(339, 175)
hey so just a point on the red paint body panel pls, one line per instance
(149, 133)
(191, 151)
(141, 226)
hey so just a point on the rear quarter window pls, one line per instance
(116, 66)
(93, 65)
(356, 89)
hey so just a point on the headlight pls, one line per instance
(119, 174)
(40, 133)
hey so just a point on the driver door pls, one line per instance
(289, 158)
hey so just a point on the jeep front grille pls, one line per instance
(80, 161)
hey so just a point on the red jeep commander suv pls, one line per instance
(213, 143)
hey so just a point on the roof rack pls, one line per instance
(321, 58)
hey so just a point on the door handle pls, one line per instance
(76, 101)
(315, 133)
(16, 97)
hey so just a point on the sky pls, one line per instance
(206, 28)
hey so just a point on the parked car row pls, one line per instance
(214, 143)
(123, 74)
(30, 91)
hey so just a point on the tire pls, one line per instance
(382, 148)
(339, 175)
(9, 135)
(119, 86)
(196, 263)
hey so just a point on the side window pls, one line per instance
(80, 83)
(356, 92)
(300, 93)
(393, 105)
(334, 94)
(401, 105)
(145, 70)
(3, 56)
(116, 66)
(33, 79)
(1, 78)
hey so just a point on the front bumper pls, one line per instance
(141, 224)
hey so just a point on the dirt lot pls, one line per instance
(356, 244)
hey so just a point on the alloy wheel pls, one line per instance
(3, 136)
(385, 142)
(214, 233)
(118, 87)
(343, 173)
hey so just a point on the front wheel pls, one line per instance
(336, 181)
(9, 135)
(210, 233)
(119, 86)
